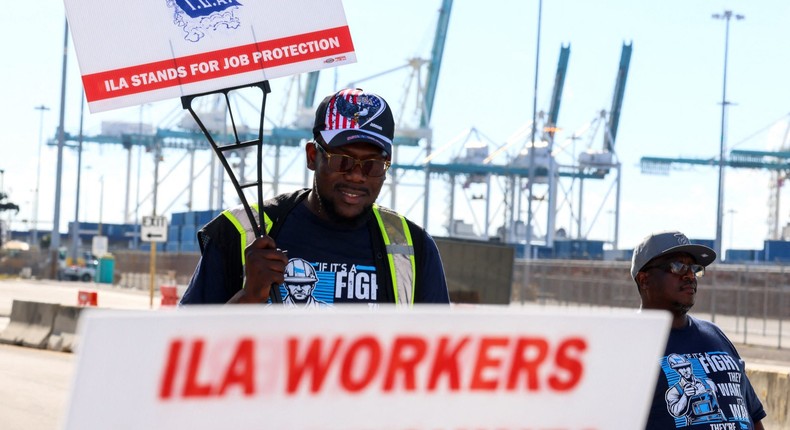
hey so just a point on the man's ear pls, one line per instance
(311, 152)
(642, 281)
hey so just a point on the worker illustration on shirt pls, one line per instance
(300, 282)
(692, 397)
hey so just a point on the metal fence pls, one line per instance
(750, 303)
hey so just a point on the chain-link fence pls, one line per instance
(750, 303)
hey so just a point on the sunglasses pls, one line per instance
(679, 268)
(341, 163)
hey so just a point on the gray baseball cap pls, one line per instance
(667, 242)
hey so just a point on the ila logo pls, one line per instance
(198, 17)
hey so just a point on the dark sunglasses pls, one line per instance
(679, 268)
(341, 163)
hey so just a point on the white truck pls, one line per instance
(84, 273)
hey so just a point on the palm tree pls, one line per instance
(5, 205)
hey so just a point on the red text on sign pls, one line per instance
(406, 363)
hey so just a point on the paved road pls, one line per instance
(35, 383)
(35, 387)
(65, 293)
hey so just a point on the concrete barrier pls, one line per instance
(17, 323)
(64, 329)
(142, 281)
(30, 324)
(772, 385)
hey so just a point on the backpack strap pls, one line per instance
(232, 231)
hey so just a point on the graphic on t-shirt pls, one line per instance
(326, 284)
(704, 388)
(300, 282)
(691, 397)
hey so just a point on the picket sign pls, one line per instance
(252, 367)
(136, 52)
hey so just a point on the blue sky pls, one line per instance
(671, 107)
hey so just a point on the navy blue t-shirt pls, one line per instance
(703, 382)
(327, 266)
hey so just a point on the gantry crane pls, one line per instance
(590, 165)
(776, 162)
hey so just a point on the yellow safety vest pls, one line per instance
(394, 231)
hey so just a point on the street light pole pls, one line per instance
(34, 235)
(532, 148)
(75, 227)
(726, 16)
(55, 240)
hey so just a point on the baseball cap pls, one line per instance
(667, 242)
(353, 115)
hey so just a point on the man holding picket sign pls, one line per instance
(355, 250)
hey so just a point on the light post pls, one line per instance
(531, 176)
(101, 204)
(75, 230)
(732, 213)
(2, 176)
(34, 236)
(2, 191)
(726, 16)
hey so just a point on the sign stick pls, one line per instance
(186, 103)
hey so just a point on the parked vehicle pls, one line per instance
(86, 273)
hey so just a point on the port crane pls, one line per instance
(777, 163)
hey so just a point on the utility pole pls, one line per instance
(152, 261)
(526, 275)
(726, 16)
(55, 241)
(34, 233)
(75, 228)
(528, 245)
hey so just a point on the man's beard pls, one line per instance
(681, 308)
(331, 212)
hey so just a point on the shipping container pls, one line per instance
(188, 234)
(777, 251)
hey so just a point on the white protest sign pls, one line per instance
(135, 52)
(251, 367)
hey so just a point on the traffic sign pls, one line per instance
(153, 229)
(99, 246)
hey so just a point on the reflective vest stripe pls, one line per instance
(400, 254)
(238, 217)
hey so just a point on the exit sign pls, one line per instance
(153, 229)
